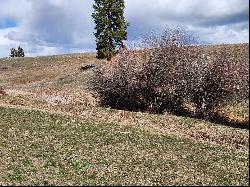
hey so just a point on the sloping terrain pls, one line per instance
(38, 148)
(46, 99)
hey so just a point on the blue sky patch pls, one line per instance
(7, 23)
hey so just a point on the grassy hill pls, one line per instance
(38, 148)
(54, 132)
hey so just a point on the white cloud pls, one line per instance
(210, 17)
(235, 33)
(57, 23)
(16, 9)
(65, 26)
(48, 27)
(5, 43)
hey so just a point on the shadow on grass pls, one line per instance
(218, 119)
(214, 118)
(225, 121)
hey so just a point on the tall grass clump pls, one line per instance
(170, 74)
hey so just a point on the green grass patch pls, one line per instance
(38, 148)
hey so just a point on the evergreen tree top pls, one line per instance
(110, 26)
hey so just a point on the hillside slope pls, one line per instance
(57, 83)
(39, 148)
(54, 132)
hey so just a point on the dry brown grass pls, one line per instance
(47, 94)
(57, 84)
(199, 130)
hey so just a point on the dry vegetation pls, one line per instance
(169, 75)
(2, 92)
(55, 132)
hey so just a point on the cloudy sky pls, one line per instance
(46, 27)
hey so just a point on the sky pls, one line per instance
(48, 27)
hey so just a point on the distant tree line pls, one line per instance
(19, 52)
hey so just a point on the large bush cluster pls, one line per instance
(169, 74)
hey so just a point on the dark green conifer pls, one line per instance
(20, 52)
(110, 27)
(12, 52)
(17, 53)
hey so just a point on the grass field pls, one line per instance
(53, 132)
(38, 148)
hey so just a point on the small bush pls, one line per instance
(168, 73)
(2, 92)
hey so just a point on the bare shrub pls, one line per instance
(168, 72)
(148, 79)
(225, 79)
(120, 84)
(180, 68)
(2, 92)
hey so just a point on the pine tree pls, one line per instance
(12, 52)
(17, 53)
(20, 52)
(110, 27)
